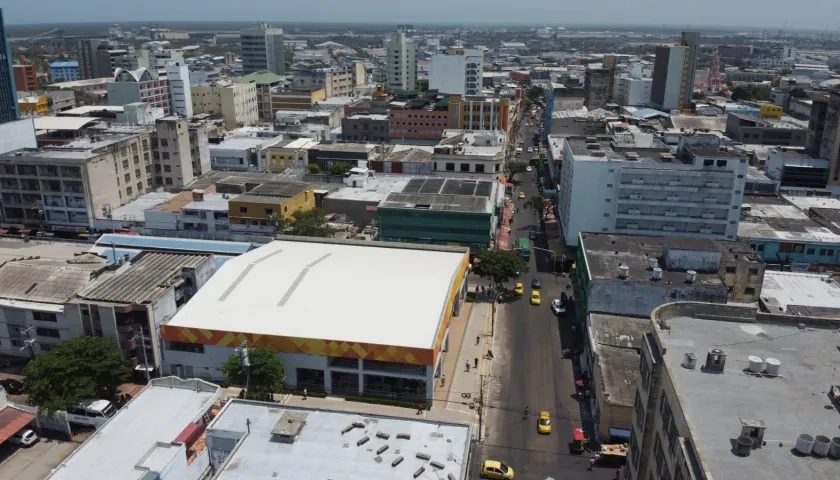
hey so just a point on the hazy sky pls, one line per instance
(765, 14)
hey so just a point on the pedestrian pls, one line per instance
(591, 463)
(305, 393)
(477, 339)
(420, 409)
(468, 366)
(526, 413)
(475, 362)
(618, 473)
(442, 380)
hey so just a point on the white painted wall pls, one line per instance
(17, 134)
(585, 187)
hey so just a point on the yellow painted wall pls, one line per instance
(771, 111)
(254, 213)
(279, 161)
(37, 108)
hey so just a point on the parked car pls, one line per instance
(12, 386)
(496, 470)
(25, 438)
(536, 283)
(557, 307)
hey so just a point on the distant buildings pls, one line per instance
(64, 71)
(401, 62)
(766, 131)
(690, 40)
(633, 91)
(86, 55)
(180, 93)
(8, 97)
(131, 86)
(829, 146)
(366, 128)
(26, 76)
(666, 89)
(459, 71)
(263, 49)
(235, 102)
(478, 113)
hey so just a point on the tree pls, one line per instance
(513, 168)
(289, 57)
(340, 168)
(535, 94)
(537, 203)
(740, 93)
(279, 222)
(82, 367)
(310, 223)
(798, 92)
(785, 71)
(313, 168)
(500, 266)
(266, 372)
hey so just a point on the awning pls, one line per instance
(24, 230)
(620, 433)
(12, 421)
(187, 434)
(3, 231)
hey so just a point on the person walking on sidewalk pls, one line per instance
(420, 409)
(468, 366)
(442, 380)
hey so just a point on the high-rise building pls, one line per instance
(26, 75)
(691, 41)
(173, 162)
(830, 144)
(401, 64)
(666, 90)
(816, 125)
(8, 95)
(86, 54)
(263, 49)
(597, 82)
(180, 94)
(111, 58)
(132, 86)
(458, 72)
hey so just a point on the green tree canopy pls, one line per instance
(535, 93)
(514, 168)
(82, 367)
(266, 371)
(310, 223)
(340, 168)
(537, 203)
(500, 266)
(798, 92)
(313, 168)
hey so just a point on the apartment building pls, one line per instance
(173, 162)
(365, 128)
(458, 72)
(296, 100)
(289, 153)
(420, 119)
(766, 131)
(26, 76)
(254, 212)
(235, 102)
(597, 82)
(467, 151)
(633, 91)
(695, 392)
(478, 113)
(130, 86)
(180, 93)
(691, 42)
(401, 62)
(108, 60)
(64, 188)
(628, 185)
(336, 81)
(86, 55)
(666, 89)
(196, 210)
(829, 146)
(263, 49)
(64, 71)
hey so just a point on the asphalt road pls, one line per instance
(529, 371)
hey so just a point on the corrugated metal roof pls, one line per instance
(45, 281)
(12, 420)
(148, 276)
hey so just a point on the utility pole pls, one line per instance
(480, 405)
(242, 351)
(140, 336)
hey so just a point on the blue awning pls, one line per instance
(620, 433)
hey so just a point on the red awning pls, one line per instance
(187, 434)
(370, 208)
(24, 230)
(12, 421)
(3, 231)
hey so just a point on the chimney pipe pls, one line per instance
(690, 276)
(623, 271)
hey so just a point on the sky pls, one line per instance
(762, 14)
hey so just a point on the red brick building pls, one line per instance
(26, 76)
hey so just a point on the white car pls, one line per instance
(25, 437)
(530, 149)
(528, 168)
(557, 307)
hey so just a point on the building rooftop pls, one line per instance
(438, 202)
(239, 178)
(375, 190)
(617, 340)
(269, 290)
(143, 279)
(804, 203)
(319, 436)
(770, 218)
(602, 148)
(63, 123)
(17, 249)
(86, 110)
(45, 280)
(794, 403)
(164, 244)
(692, 122)
(245, 143)
(345, 147)
(785, 122)
(795, 293)
(134, 210)
(368, 116)
(141, 433)
(216, 202)
(276, 189)
(261, 78)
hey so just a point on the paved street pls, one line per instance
(529, 371)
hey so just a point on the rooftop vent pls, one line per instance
(593, 146)
(690, 276)
(652, 263)
(743, 446)
(715, 360)
(804, 443)
(656, 274)
(591, 139)
(289, 426)
(772, 367)
(623, 271)
(753, 429)
(822, 445)
(666, 157)
(690, 361)
(756, 364)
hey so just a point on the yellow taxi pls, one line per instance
(544, 423)
(522, 195)
(535, 297)
(495, 470)
(519, 289)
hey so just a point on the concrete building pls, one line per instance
(180, 93)
(766, 131)
(441, 212)
(401, 62)
(17, 135)
(26, 76)
(648, 271)
(800, 293)
(366, 128)
(479, 113)
(690, 40)
(132, 86)
(309, 439)
(159, 436)
(64, 71)
(336, 81)
(287, 154)
(666, 88)
(325, 154)
(136, 298)
(693, 390)
(633, 91)
(340, 354)
(735, 51)
(296, 100)
(255, 211)
(241, 153)
(173, 160)
(793, 168)
(197, 210)
(458, 72)
(109, 59)
(829, 146)
(59, 101)
(235, 102)
(468, 151)
(64, 188)
(420, 119)
(633, 184)
(265, 83)
(263, 49)
(86, 55)
(597, 83)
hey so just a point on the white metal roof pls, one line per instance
(330, 291)
(159, 413)
(63, 123)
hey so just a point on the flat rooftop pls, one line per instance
(376, 189)
(46, 281)
(271, 291)
(134, 211)
(771, 218)
(278, 189)
(796, 402)
(796, 292)
(13, 248)
(321, 451)
(344, 147)
(601, 148)
(617, 341)
(161, 411)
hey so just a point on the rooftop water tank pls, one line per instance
(772, 367)
(822, 445)
(804, 443)
(756, 364)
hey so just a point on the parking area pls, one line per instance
(35, 462)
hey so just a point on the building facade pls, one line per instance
(829, 146)
(180, 94)
(64, 71)
(401, 62)
(8, 97)
(633, 91)
(109, 59)
(235, 102)
(458, 72)
(26, 76)
(478, 113)
(173, 162)
(255, 211)
(263, 49)
(86, 55)
(366, 128)
(757, 131)
(597, 83)
(666, 89)
(131, 86)
(419, 124)
(691, 41)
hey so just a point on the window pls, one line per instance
(47, 332)
(465, 167)
(822, 252)
(639, 412)
(609, 185)
(830, 252)
(608, 200)
(168, 181)
(44, 317)
(760, 248)
(721, 163)
(606, 214)
(167, 168)
(810, 251)
(749, 291)
(269, 211)
(164, 155)
(243, 209)
(708, 163)
(479, 168)
(753, 271)
(450, 167)
(644, 372)
(186, 347)
(740, 176)
(730, 269)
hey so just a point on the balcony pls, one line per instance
(10, 185)
(30, 185)
(47, 171)
(27, 171)
(70, 172)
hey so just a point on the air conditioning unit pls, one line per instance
(712, 184)
(675, 183)
(670, 213)
(638, 181)
(669, 228)
(673, 198)
(710, 200)
(635, 197)
(634, 211)
(706, 230)
(633, 226)
(707, 215)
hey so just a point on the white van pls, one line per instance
(92, 412)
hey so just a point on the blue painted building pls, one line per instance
(8, 96)
(64, 71)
